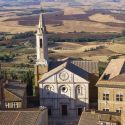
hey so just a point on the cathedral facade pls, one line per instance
(65, 87)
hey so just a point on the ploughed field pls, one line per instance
(81, 22)
(74, 19)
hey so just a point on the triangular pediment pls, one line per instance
(65, 75)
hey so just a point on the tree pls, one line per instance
(28, 78)
(13, 75)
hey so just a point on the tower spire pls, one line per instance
(41, 26)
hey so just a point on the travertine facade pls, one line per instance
(64, 93)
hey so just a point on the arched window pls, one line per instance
(41, 43)
(79, 90)
(49, 87)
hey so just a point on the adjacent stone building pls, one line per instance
(13, 94)
(111, 87)
(65, 87)
(100, 118)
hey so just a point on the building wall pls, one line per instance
(54, 97)
(93, 91)
(112, 104)
(99, 118)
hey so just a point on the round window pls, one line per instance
(64, 89)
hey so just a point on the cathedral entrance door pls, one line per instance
(64, 110)
(79, 111)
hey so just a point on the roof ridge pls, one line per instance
(37, 117)
(16, 118)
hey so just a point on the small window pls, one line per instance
(41, 43)
(101, 123)
(119, 97)
(79, 90)
(15, 105)
(106, 110)
(106, 76)
(104, 123)
(7, 105)
(79, 111)
(118, 111)
(106, 96)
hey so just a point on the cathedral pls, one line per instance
(65, 87)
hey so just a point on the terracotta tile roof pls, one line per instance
(7, 118)
(111, 85)
(19, 117)
(114, 72)
(89, 66)
(27, 118)
(89, 118)
(14, 90)
(119, 78)
(81, 68)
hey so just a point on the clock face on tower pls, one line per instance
(63, 76)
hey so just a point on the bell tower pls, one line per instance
(41, 65)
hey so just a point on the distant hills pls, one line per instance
(93, 1)
(18, 1)
(61, 0)
(96, 1)
(95, 4)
